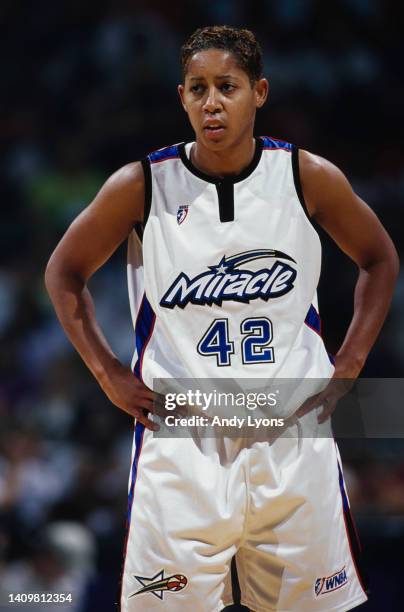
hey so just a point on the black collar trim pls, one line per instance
(259, 143)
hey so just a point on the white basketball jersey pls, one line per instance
(224, 281)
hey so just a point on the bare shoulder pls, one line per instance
(349, 221)
(121, 198)
(131, 173)
(323, 183)
(129, 183)
(316, 164)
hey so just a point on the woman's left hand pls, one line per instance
(340, 384)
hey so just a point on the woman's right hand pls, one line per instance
(131, 395)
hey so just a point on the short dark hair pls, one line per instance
(242, 43)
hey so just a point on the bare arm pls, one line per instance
(86, 246)
(355, 228)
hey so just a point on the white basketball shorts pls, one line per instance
(279, 508)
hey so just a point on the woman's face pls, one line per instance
(220, 101)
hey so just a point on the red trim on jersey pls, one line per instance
(158, 161)
(276, 148)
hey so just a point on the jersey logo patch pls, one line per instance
(228, 281)
(331, 583)
(158, 584)
(182, 213)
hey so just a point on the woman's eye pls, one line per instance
(196, 88)
(227, 87)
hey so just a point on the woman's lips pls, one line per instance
(214, 131)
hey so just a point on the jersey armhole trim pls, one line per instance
(147, 189)
(297, 182)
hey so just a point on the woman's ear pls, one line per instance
(180, 90)
(261, 92)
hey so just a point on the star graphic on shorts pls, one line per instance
(146, 582)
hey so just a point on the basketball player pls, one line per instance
(223, 285)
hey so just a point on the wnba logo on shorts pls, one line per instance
(331, 583)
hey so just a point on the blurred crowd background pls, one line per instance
(87, 87)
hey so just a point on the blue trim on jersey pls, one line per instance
(273, 143)
(143, 331)
(313, 319)
(162, 154)
(139, 431)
